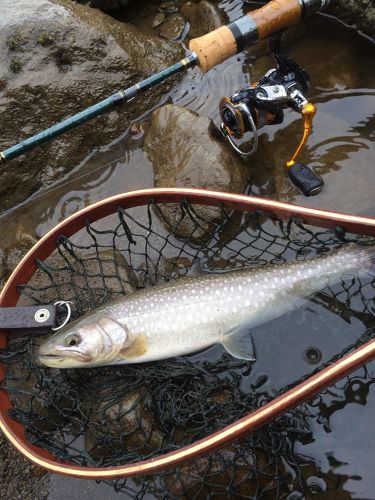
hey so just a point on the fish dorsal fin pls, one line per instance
(137, 348)
(239, 343)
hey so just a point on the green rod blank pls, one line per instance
(97, 109)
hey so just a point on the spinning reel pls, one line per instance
(251, 108)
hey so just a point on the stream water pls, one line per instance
(341, 146)
(341, 149)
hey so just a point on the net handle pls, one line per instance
(15, 432)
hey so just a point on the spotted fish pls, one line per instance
(189, 314)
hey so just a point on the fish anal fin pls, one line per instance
(137, 348)
(307, 287)
(240, 344)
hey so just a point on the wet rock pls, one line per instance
(45, 412)
(231, 472)
(184, 152)
(56, 59)
(167, 268)
(244, 471)
(10, 257)
(108, 5)
(17, 475)
(158, 19)
(89, 279)
(137, 131)
(168, 7)
(203, 17)
(360, 13)
(122, 426)
(3, 272)
(173, 27)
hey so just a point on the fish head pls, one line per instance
(92, 341)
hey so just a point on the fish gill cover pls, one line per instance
(122, 414)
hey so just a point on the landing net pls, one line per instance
(118, 415)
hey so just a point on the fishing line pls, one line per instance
(81, 176)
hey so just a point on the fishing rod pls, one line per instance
(206, 52)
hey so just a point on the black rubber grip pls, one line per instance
(305, 179)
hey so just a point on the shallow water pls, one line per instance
(341, 148)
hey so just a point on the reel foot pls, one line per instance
(305, 179)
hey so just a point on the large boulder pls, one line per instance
(360, 13)
(203, 17)
(185, 152)
(56, 59)
(106, 5)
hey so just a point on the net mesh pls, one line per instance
(117, 415)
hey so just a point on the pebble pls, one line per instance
(173, 27)
(158, 19)
(136, 131)
(168, 7)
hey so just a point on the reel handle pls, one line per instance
(305, 179)
(216, 46)
(308, 111)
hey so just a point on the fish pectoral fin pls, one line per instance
(240, 344)
(137, 348)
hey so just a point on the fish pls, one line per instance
(193, 313)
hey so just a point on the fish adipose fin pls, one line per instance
(137, 348)
(240, 344)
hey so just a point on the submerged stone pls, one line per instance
(108, 5)
(360, 13)
(184, 152)
(173, 27)
(84, 277)
(203, 17)
(158, 19)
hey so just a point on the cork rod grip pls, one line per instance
(275, 16)
(226, 41)
(214, 48)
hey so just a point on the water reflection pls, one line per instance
(341, 148)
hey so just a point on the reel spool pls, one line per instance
(251, 108)
(157, 247)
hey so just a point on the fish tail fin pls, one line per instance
(363, 258)
(368, 257)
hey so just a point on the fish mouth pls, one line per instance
(49, 358)
(52, 357)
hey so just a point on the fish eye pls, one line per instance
(72, 340)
